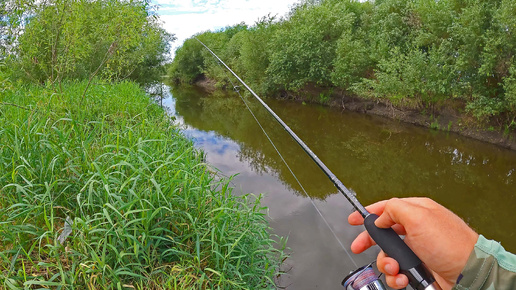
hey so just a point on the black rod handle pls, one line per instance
(390, 242)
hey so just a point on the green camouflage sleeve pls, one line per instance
(489, 266)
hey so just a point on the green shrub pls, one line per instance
(60, 39)
(304, 46)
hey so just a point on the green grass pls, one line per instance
(147, 213)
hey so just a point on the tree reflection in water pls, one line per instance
(378, 158)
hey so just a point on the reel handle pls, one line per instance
(420, 278)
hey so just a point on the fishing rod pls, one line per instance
(388, 240)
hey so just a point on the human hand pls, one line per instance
(441, 239)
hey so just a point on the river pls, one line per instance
(378, 158)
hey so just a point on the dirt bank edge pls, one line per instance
(448, 117)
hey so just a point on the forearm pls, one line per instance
(489, 267)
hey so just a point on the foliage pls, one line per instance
(254, 53)
(221, 42)
(11, 21)
(143, 209)
(189, 62)
(304, 46)
(510, 88)
(64, 39)
(422, 52)
(353, 60)
(415, 75)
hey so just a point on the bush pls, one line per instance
(63, 39)
(305, 45)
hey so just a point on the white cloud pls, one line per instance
(185, 18)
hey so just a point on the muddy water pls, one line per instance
(376, 157)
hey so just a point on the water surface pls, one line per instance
(376, 157)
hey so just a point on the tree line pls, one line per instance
(418, 53)
(54, 40)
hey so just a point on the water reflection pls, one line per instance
(376, 157)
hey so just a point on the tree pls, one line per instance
(12, 18)
(255, 53)
(188, 64)
(353, 60)
(79, 39)
(303, 47)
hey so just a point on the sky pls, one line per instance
(185, 18)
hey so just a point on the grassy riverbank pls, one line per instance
(103, 192)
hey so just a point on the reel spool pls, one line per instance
(364, 278)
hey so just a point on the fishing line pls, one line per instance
(420, 277)
(237, 90)
(340, 186)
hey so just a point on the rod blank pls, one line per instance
(340, 186)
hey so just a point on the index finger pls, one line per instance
(404, 211)
(378, 208)
(355, 219)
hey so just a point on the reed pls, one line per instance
(141, 208)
